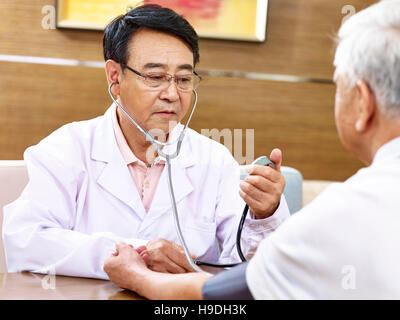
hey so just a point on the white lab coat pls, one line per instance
(81, 199)
(344, 245)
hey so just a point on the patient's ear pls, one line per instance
(366, 109)
(113, 74)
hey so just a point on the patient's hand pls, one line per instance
(128, 270)
(126, 265)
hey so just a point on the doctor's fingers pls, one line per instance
(179, 257)
(142, 250)
(261, 204)
(264, 171)
(161, 263)
(169, 248)
(172, 259)
(263, 184)
(252, 193)
(145, 256)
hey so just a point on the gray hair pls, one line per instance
(369, 49)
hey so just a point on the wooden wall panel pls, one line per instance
(37, 99)
(296, 117)
(299, 38)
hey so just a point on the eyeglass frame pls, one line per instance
(169, 80)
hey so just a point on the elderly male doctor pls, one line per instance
(93, 183)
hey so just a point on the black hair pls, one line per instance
(119, 32)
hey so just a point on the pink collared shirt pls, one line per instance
(146, 178)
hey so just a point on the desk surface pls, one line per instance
(30, 286)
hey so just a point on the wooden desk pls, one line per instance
(30, 286)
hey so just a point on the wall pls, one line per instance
(293, 112)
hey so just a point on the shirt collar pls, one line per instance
(387, 150)
(123, 146)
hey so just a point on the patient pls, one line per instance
(345, 244)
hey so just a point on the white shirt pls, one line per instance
(81, 199)
(344, 245)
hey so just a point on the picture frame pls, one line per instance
(244, 20)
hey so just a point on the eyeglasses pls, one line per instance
(161, 80)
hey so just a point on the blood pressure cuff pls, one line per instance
(228, 285)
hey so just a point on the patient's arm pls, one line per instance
(128, 270)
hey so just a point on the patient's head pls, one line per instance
(367, 62)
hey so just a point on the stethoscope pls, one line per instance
(168, 157)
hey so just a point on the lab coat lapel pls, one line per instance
(181, 185)
(115, 177)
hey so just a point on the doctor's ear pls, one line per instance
(113, 71)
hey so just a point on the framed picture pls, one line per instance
(220, 19)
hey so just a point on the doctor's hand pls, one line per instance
(167, 256)
(263, 187)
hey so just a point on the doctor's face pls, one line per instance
(151, 52)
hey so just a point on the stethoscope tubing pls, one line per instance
(178, 142)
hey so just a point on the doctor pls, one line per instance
(345, 244)
(93, 183)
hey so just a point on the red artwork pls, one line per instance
(193, 10)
